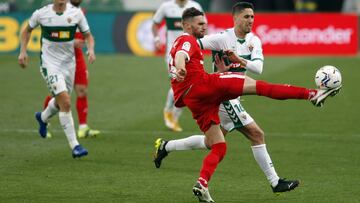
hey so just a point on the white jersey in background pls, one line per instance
(232, 114)
(58, 31)
(172, 13)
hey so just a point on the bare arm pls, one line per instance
(25, 37)
(90, 42)
(155, 30)
(235, 58)
(180, 62)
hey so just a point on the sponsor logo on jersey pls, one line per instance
(251, 48)
(54, 35)
(64, 34)
(60, 35)
(177, 24)
(235, 65)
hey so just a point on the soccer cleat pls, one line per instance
(202, 193)
(177, 127)
(160, 151)
(48, 133)
(79, 151)
(321, 95)
(285, 185)
(42, 125)
(169, 119)
(87, 132)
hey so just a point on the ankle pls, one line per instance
(203, 182)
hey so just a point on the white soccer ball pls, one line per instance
(328, 77)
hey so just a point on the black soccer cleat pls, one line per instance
(160, 152)
(285, 185)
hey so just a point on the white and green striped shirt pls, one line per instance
(57, 33)
(172, 13)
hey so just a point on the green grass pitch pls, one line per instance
(318, 146)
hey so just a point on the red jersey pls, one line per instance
(194, 66)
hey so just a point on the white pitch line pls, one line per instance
(164, 132)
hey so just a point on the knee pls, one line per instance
(257, 136)
(64, 102)
(66, 106)
(81, 92)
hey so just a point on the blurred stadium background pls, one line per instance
(128, 84)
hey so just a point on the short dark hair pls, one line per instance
(190, 13)
(240, 6)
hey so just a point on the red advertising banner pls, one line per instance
(299, 34)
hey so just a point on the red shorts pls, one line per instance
(81, 72)
(204, 98)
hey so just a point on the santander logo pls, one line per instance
(303, 36)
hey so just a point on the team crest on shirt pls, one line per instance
(251, 48)
(186, 46)
(69, 20)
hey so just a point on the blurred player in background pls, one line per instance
(203, 93)
(58, 23)
(171, 11)
(81, 85)
(232, 114)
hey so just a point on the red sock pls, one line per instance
(46, 102)
(82, 109)
(282, 91)
(211, 161)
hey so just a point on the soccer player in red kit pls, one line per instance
(202, 92)
(81, 86)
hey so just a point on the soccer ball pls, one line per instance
(328, 77)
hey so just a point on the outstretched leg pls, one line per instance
(284, 91)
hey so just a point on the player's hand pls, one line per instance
(79, 43)
(220, 64)
(91, 56)
(232, 56)
(23, 59)
(180, 75)
(157, 46)
(157, 43)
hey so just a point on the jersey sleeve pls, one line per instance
(211, 42)
(256, 53)
(83, 24)
(34, 19)
(159, 14)
(186, 46)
